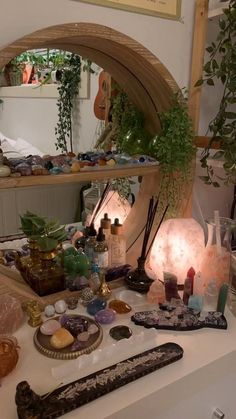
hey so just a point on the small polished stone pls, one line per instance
(120, 332)
(60, 306)
(49, 310)
(83, 337)
(75, 167)
(50, 327)
(96, 305)
(92, 329)
(72, 303)
(105, 316)
(120, 306)
(61, 339)
(76, 346)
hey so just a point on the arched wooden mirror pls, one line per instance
(144, 78)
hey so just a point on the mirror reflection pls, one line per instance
(55, 102)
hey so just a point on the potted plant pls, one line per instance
(43, 273)
(221, 67)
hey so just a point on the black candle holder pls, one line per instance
(137, 279)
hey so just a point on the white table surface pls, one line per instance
(202, 348)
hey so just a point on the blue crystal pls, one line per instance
(96, 305)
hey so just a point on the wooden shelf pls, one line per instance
(83, 176)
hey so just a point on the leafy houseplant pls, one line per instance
(47, 234)
(221, 66)
(68, 91)
(173, 148)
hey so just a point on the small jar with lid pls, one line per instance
(117, 245)
(101, 250)
(105, 224)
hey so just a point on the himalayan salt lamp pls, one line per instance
(179, 244)
(156, 293)
(115, 207)
(11, 314)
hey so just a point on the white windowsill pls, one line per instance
(46, 91)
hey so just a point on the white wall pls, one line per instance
(34, 119)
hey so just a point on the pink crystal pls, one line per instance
(83, 337)
(11, 314)
(50, 327)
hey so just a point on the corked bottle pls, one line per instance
(117, 245)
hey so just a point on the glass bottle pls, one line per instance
(101, 250)
(94, 281)
(90, 243)
(232, 286)
(216, 258)
(106, 226)
(117, 245)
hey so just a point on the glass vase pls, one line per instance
(216, 258)
(232, 288)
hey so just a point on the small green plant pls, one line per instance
(32, 225)
(46, 233)
(221, 67)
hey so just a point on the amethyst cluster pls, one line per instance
(74, 325)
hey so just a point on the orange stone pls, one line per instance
(120, 306)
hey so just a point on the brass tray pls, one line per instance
(42, 343)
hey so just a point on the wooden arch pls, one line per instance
(146, 80)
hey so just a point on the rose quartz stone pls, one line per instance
(50, 327)
(156, 293)
(11, 314)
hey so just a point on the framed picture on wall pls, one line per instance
(169, 9)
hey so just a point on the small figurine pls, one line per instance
(34, 312)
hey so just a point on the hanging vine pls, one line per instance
(68, 90)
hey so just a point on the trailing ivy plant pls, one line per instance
(173, 148)
(68, 90)
(222, 66)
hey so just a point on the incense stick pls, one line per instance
(159, 225)
(100, 202)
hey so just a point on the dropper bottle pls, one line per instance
(101, 250)
(90, 243)
(117, 245)
(105, 224)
